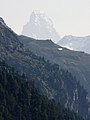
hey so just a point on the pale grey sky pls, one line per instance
(68, 16)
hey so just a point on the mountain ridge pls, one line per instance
(76, 43)
(49, 78)
(73, 61)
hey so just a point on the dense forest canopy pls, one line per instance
(20, 100)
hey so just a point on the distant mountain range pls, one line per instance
(40, 26)
(51, 68)
(76, 43)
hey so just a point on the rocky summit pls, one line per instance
(40, 26)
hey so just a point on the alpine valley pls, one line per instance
(40, 80)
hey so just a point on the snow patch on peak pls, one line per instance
(60, 49)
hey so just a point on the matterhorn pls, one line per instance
(41, 27)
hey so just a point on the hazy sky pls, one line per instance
(68, 16)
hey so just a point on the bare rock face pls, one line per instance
(40, 26)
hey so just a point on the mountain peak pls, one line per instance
(40, 15)
(38, 12)
(40, 27)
